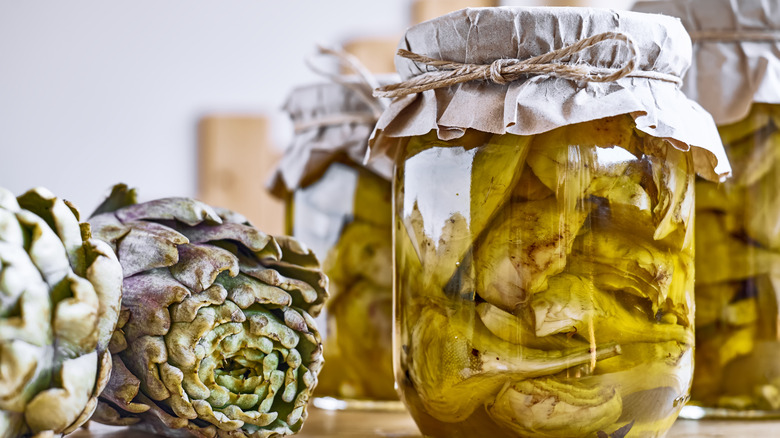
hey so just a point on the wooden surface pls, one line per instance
(236, 159)
(330, 424)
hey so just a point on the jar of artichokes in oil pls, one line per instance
(735, 76)
(342, 210)
(543, 221)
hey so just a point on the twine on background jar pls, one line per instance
(362, 87)
(503, 71)
(735, 35)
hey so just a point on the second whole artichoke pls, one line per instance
(217, 337)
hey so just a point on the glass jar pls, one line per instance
(543, 225)
(346, 216)
(734, 76)
(342, 210)
(544, 283)
(738, 274)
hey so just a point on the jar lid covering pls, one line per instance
(736, 52)
(332, 121)
(536, 103)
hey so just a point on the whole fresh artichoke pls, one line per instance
(217, 337)
(60, 294)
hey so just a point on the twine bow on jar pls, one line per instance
(503, 71)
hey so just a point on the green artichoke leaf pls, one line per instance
(527, 243)
(573, 304)
(457, 365)
(548, 407)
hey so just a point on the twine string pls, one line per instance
(735, 35)
(504, 71)
(363, 89)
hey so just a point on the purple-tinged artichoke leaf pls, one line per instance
(189, 306)
(230, 216)
(200, 264)
(185, 210)
(142, 358)
(147, 296)
(302, 292)
(296, 252)
(245, 291)
(123, 387)
(106, 414)
(250, 237)
(121, 196)
(148, 245)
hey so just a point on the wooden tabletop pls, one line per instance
(351, 424)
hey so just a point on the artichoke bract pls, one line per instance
(217, 337)
(60, 294)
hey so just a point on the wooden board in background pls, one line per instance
(235, 160)
(376, 53)
(424, 10)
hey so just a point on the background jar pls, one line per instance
(342, 210)
(736, 66)
(544, 272)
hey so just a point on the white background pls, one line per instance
(94, 92)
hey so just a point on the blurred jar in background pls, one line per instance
(735, 75)
(342, 210)
(544, 224)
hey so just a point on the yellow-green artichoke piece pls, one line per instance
(492, 171)
(363, 251)
(724, 257)
(674, 180)
(548, 407)
(219, 337)
(758, 118)
(577, 160)
(572, 304)
(519, 329)
(762, 208)
(624, 259)
(60, 293)
(530, 188)
(457, 365)
(360, 327)
(373, 203)
(527, 243)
